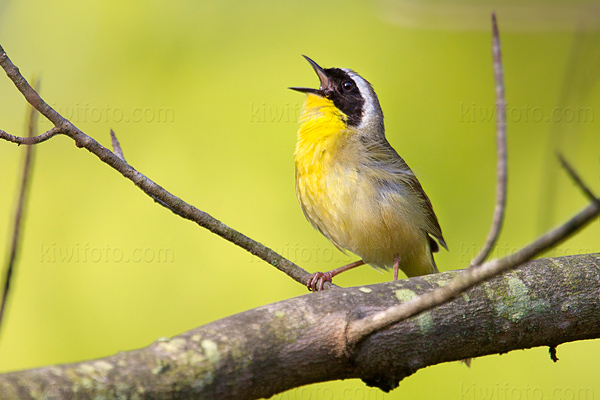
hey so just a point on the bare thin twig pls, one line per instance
(576, 178)
(31, 140)
(20, 209)
(501, 169)
(158, 193)
(28, 92)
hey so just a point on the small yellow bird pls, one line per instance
(353, 186)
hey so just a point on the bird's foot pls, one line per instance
(318, 279)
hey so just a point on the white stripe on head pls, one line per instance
(371, 109)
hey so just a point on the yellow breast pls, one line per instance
(320, 138)
(341, 196)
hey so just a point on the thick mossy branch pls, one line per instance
(283, 345)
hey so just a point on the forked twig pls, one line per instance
(20, 208)
(158, 193)
(501, 168)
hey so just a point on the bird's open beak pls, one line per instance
(322, 77)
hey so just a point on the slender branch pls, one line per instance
(576, 178)
(359, 329)
(159, 194)
(31, 140)
(28, 92)
(501, 168)
(20, 208)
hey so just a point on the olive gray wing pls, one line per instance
(383, 157)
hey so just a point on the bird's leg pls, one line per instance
(396, 267)
(321, 277)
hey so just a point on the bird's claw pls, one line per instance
(318, 278)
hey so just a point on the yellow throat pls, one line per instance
(320, 121)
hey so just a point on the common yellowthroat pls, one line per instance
(353, 186)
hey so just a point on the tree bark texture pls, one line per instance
(299, 341)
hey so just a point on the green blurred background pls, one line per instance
(197, 94)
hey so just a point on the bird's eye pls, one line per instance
(347, 86)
